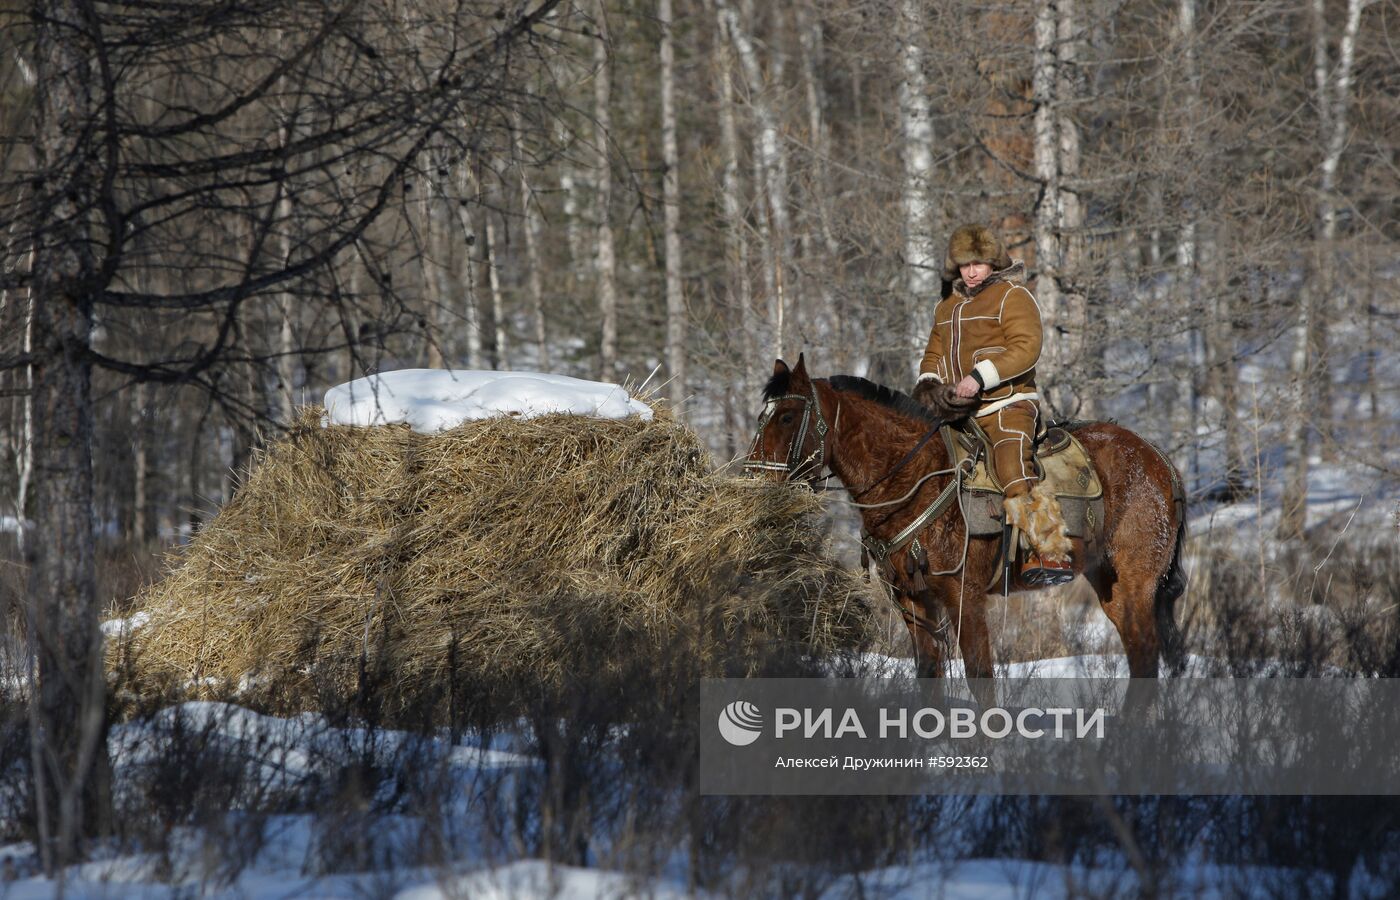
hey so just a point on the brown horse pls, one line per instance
(877, 442)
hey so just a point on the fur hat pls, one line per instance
(974, 244)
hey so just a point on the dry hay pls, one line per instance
(503, 552)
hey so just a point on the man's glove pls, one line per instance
(943, 400)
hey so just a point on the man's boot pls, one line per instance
(1038, 515)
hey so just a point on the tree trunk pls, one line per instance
(534, 276)
(287, 305)
(736, 243)
(436, 260)
(1220, 352)
(498, 302)
(606, 257)
(63, 607)
(286, 362)
(1334, 138)
(1308, 370)
(22, 434)
(67, 714)
(772, 169)
(671, 198)
(809, 31)
(922, 265)
(574, 197)
(1073, 312)
(24, 453)
(921, 262)
(466, 277)
(1188, 273)
(194, 464)
(140, 467)
(1044, 88)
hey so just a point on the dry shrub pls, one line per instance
(506, 554)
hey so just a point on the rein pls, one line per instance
(913, 451)
(813, 420)
(880, 550)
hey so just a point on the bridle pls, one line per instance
(812, 420)
(880, 550)
(815, 462)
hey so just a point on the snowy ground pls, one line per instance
(294, 855)
(281, 871)
(978, 879)
(1344, 501)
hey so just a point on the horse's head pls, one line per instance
(790, 444)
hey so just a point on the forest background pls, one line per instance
(209, 214)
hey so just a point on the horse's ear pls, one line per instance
(800, 369)
(779, 368)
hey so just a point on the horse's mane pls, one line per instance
(888, 397)
(1076, 424)
(778, 385)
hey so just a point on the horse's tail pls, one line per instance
(1170, 586)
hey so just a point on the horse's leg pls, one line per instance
(975, 642)
(922, 620)
(1128, 599)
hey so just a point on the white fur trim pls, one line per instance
(990, 376)
(929, 376)
(995, 405)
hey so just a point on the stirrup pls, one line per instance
(1039, 572)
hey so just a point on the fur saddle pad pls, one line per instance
(1063, 464)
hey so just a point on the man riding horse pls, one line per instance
(981, 357)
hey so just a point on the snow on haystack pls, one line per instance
(433, 400)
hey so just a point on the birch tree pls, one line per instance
(606, 255)
(467, 271)
(811, 44)
(671, 202)
(20, 305)
(438, 250)
(921, 260)
(492, 265)
(1074, 311)
(1044, 86)
(1058, 213)
(771, 170)
(736, 244)
(534, 266)
(1308, 371)
(1187, 271)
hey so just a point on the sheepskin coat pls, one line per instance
(994, 331)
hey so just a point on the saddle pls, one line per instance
(1061, 462)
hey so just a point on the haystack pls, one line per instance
(503, 551)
